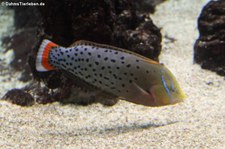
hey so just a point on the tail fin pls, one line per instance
(42, 63)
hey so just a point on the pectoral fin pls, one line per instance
(141, 96)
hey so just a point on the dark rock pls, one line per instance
(19, 97)
(209, 49)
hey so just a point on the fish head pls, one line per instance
(167, 91)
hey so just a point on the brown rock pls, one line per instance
(19, 97)
(209, 49)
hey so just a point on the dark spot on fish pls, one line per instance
(67, 51)
(115, 76)
(97, 63)
(75, 68)
(110, 71)
(148, 71)
(85, 49)
(123, 85)
(71, 64)
(70, 50)
(61, 53)
(99, 56)
(131, 74)
(81, 53)
(100, 75)
(128, 65)
(120, 78)
(130, 81)
(117, 67)
(137, 67)
(106, 51)
(118, 91)
(68, 56)
(90, 65)
(137, 60)
(89, 53)
(127, 91)
(75, 54)
(122, 58)
(122, 62)
(116, 52)
(77, 49)
(112, 60)
(125, 73)
(72, 58)
(103, 67)
(93, 69)
(135, 79)
(106, 58)
(112, 83)
(85, 69)
(106, 78)
(87, 60)
(109, 67)
(100, 82)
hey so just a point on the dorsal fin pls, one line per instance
(85, 42)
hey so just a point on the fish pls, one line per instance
(115, 72)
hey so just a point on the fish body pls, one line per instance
(114, 71)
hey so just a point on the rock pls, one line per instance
(209, 49)
(19, 97)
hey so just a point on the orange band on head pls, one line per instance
(45, 56)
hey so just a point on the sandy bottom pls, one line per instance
(197, 122)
